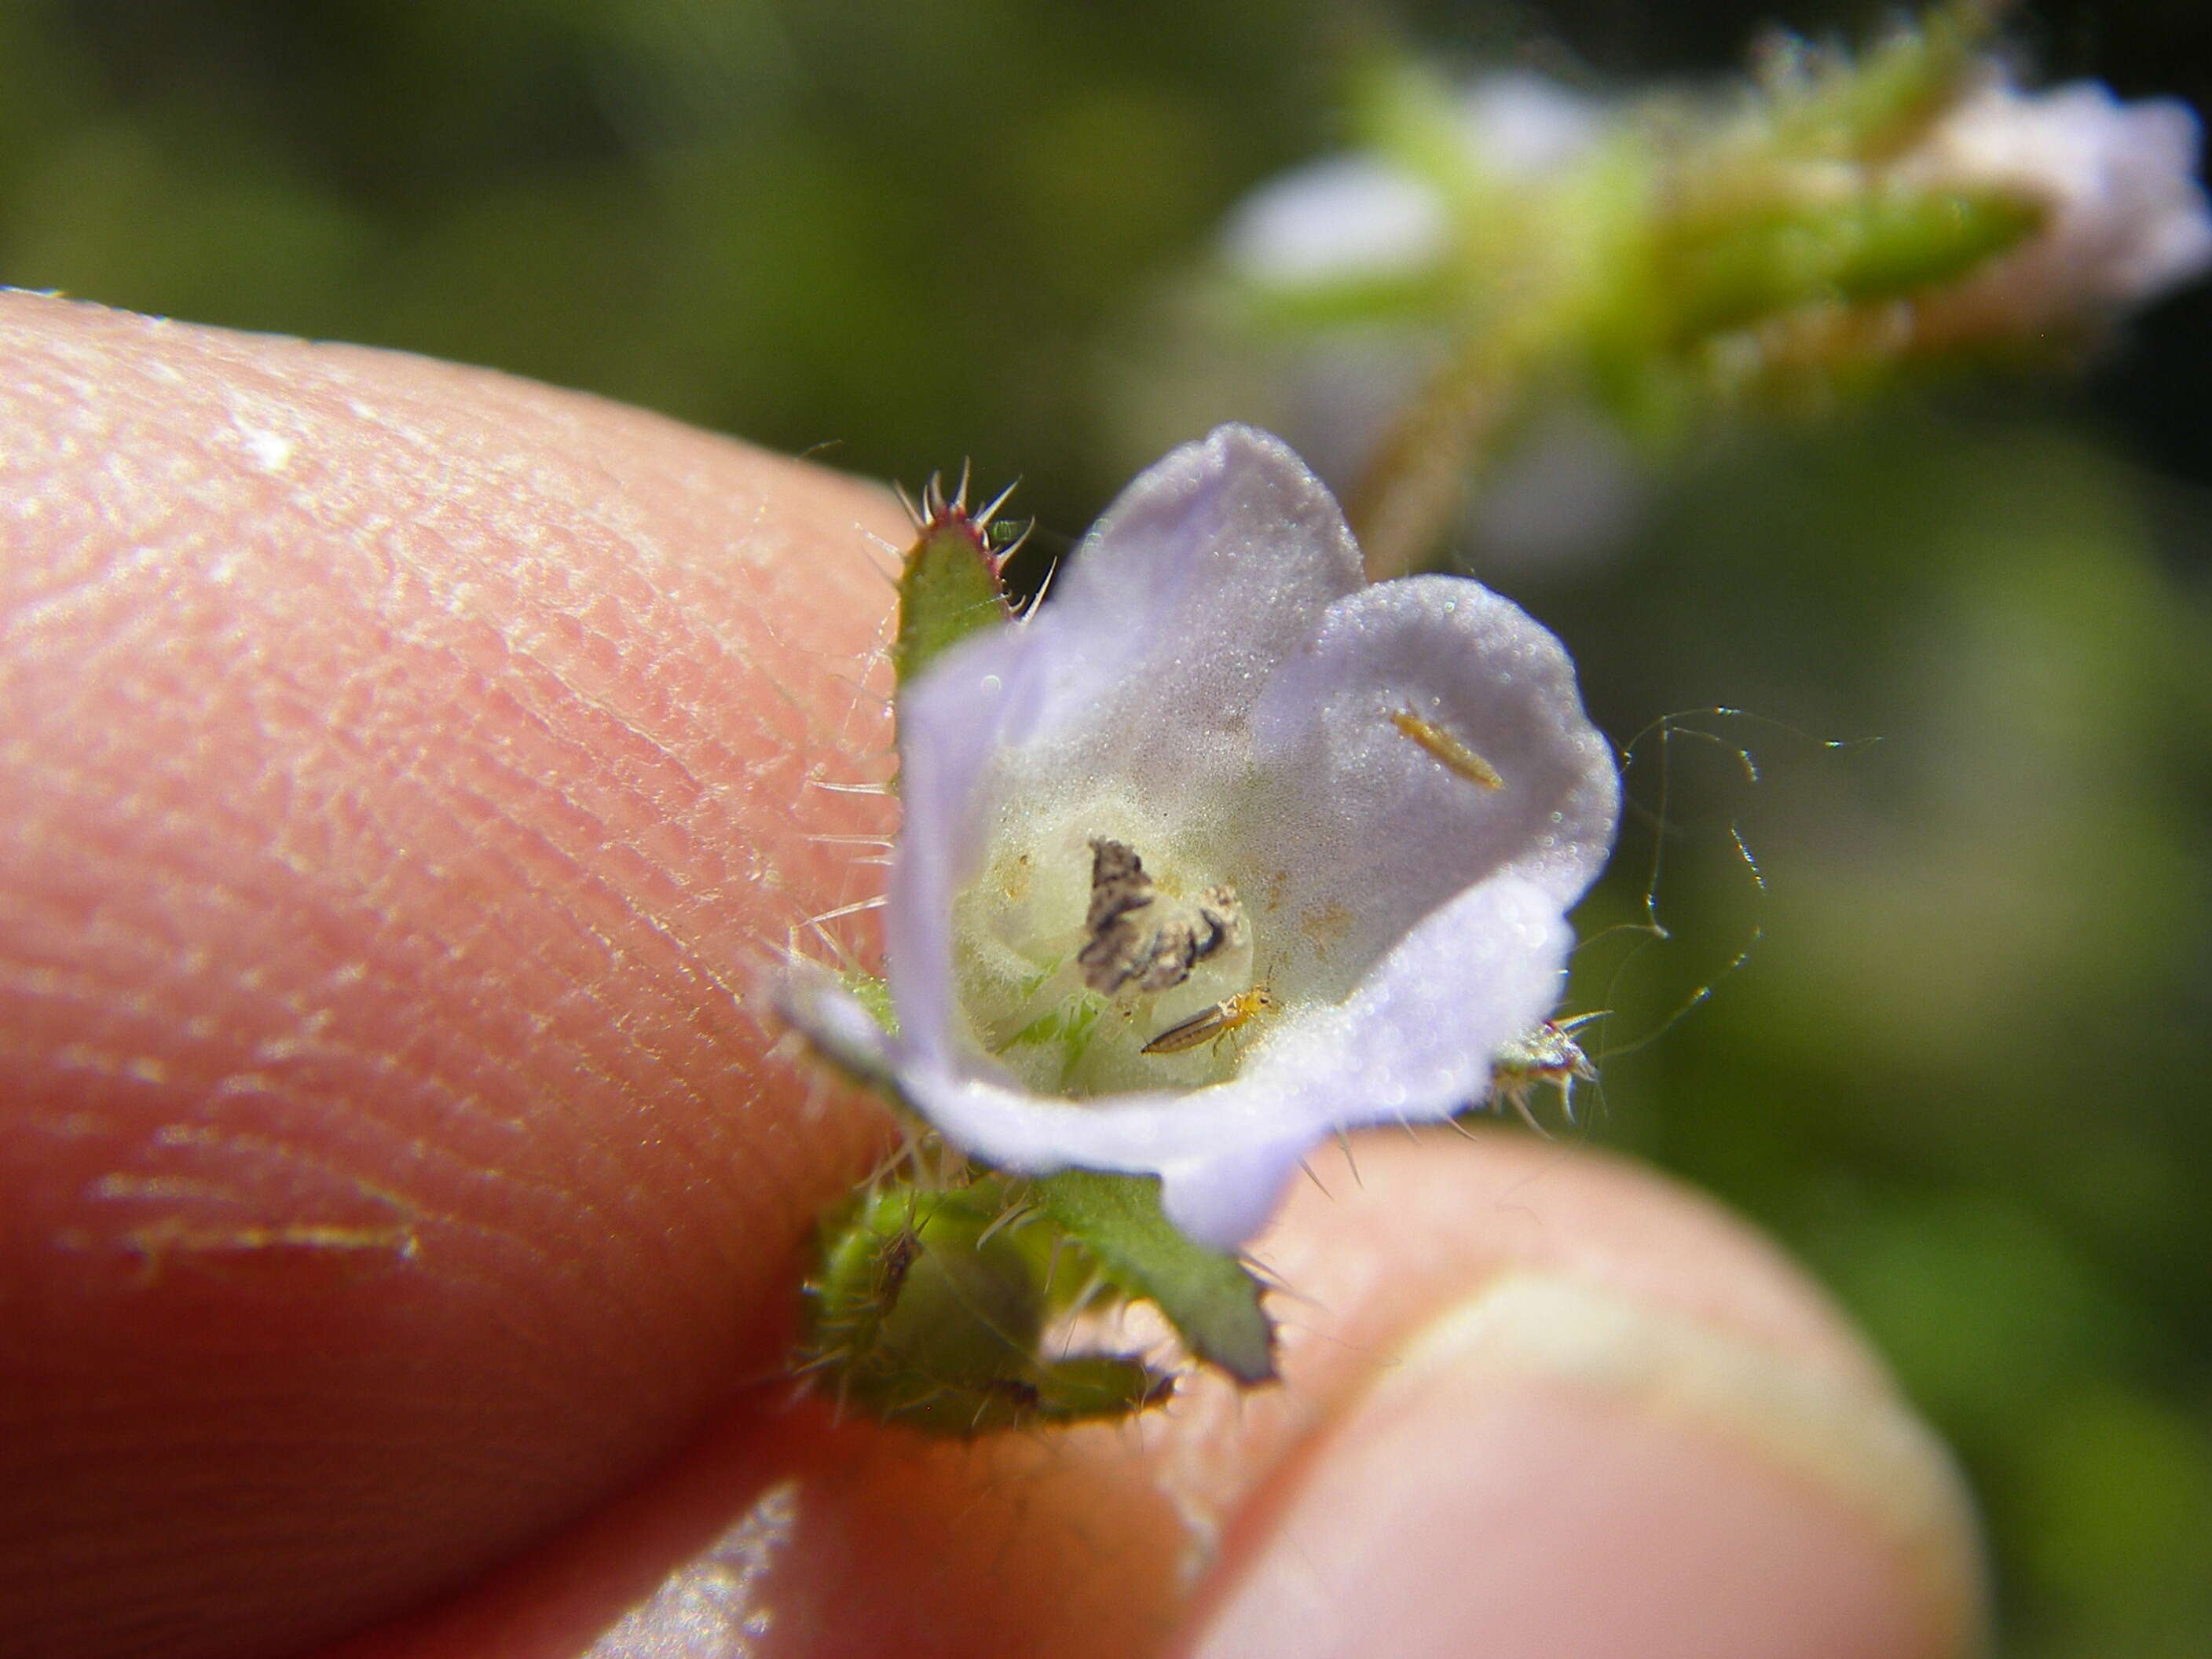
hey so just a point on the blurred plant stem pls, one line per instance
(1802, 238)
(1412, 487)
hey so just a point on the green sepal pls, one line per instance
(812, 1000)
(873, 993)
(1304, 307)
(1869, 247)
(948, 585)
(930, 1310)
(1210, 1297)
(1870, 110)
(1085, 1389)
(910, 1285)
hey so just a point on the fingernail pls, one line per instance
(1554, 1469)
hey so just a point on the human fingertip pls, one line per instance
(1551, 1466)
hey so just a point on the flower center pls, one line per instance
(1107, 957)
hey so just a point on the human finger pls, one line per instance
(1534, 1401)
(406, 768)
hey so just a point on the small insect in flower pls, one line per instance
(1215, 1023)
(1447, 750)
(1134, 934)
(1547, 1054)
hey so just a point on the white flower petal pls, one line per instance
(1343, 220)
(1527, 127)
(1384, 828)
(1413, 1045)
(839, 1024)
(1211, 662)
(1414, 1042)
(1347, 220)
(1207, 571)
(1224, 1200)
(1135, 683)
(2127, 219)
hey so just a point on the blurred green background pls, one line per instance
(1963, 1071)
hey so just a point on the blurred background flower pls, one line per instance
(1964, 1074)
(1452, 303)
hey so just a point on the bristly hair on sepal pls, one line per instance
(949, 583)
(937, 511)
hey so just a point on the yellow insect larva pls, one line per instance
(1447, 750)
(1214, 1023)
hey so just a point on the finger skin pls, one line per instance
(1545, 1515)
(405, 768)
(1573, 1410)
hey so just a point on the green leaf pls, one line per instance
(1208, 1296)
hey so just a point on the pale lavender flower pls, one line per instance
(1376, 803)
(1349, 219)
(1347, 222)
(2126, 219)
